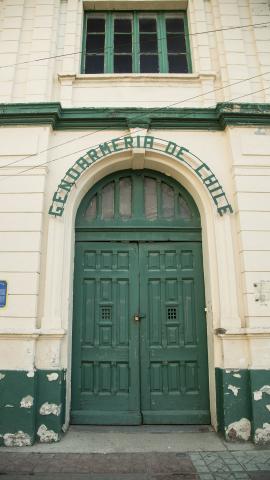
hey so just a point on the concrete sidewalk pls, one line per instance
(137, 453)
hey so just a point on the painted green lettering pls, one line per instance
(225, 209)
(218, 196)
(64, 185)
(180, 151)
(58, 198)
(210, 181)
(104, 148)
(56, 210)
(171, 147)
(219, 187)
(128, 142)
(83, 163)
(115, 146)
(148, 142)
(138, 140)
(93, 154)
(72, 173)
(198, 169)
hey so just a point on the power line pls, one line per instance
(151, 110)
(121, 137)
(110, 47)
(156, 109)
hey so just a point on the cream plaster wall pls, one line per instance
(37, 251)
(24, 218)
(46, 29)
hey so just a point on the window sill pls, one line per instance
(141, 78)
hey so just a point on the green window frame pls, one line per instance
(145, 42)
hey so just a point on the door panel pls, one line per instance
(174, 373)
(152, 371)
(105, 341)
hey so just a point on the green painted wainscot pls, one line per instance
(32, 406)
(243, 404)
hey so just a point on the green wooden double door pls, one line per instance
(139, 337)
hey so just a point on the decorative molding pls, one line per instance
(135, 78)
(39, 333)
(225, 114)
(244, 333)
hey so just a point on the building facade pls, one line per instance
(134, 216)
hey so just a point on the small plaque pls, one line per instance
(3, 293)
(262, 292)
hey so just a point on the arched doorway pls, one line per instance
(139, 330)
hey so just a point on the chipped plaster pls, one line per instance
(52, 376)
(50, 409)
(265, 389)
(18, 439)
(233, 389)
(257, 395)
(2, 376)
(262, 435)
(239, 430)
(27, 402)
(30, 374)
(47, 436)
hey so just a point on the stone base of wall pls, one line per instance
(32, 406)
(243, 404)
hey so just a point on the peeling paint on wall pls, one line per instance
(27, 402)
(2, 376)
(47, 436)
(9, 406)
(50, 409)
(30, 374)
(239, 430)
(18, 439)
(265, 389)
(237, 375)
(268, 407)
(257, 395)
(233, 389)
(262, 435)
(52, 376)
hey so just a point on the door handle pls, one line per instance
(138, 316)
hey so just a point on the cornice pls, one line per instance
(52, 113)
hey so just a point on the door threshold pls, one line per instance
(142, 428)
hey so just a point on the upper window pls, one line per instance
(136, 42)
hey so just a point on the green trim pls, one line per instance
(83, 46)
(188, 47)
(225, 114)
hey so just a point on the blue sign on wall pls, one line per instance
(3, 293)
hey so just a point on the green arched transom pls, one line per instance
(137, 200)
